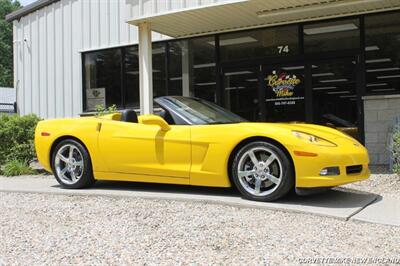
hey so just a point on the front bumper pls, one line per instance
(308, 168)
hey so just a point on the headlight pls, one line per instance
(313, 139)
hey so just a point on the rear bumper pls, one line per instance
(308, 168)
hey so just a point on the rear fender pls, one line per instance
(85, 131)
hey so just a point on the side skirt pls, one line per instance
(140, 178)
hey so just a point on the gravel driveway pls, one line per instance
(39, 229)
(380, 182)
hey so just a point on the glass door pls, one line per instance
(283, 93)
(321, 92)
(334, 95)
(241, 92)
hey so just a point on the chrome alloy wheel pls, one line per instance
(69, 164)
(260, 171)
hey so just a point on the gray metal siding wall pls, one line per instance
(47, 66)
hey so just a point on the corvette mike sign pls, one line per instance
(284, 88)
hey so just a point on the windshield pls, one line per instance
(200, 112)
(337, 121)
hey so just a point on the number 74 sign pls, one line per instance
(283, 49)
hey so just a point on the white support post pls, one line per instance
(145, 69)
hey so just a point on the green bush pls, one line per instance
(396, 150)
(14, 167)
(101, 110)
(16, 138)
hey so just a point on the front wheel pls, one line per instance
(262, 171)
(71, 165)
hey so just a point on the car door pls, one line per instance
(146, 149)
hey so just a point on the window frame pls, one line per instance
(83, 68)
(300, 57)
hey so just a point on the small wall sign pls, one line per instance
(95, 96)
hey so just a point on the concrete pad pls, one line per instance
(382, 211)
(334, 203)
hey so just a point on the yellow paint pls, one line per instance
(145, 149)
(153, 151)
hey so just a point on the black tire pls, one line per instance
(283, 167)
(86, 179)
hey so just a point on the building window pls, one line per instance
(132, 99)
(278, 41)
(204, 73)
(102, 79)
(332, 36)
(112, 77)
(241, 92)
(192, 68)
(159, 70)
(177, 54)
(334, 92)
(382, 64)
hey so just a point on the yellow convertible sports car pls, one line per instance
(195, 142)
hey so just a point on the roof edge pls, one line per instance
(139, 19)
(29, 9)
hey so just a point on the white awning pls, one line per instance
(244, 14)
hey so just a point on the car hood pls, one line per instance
(327, 133)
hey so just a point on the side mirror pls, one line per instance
(155, 120)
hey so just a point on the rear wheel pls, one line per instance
(262, 171)
(71, 165)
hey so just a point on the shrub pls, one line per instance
(101, 110)
(16, 138)
(14, 167)
(395, 150)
